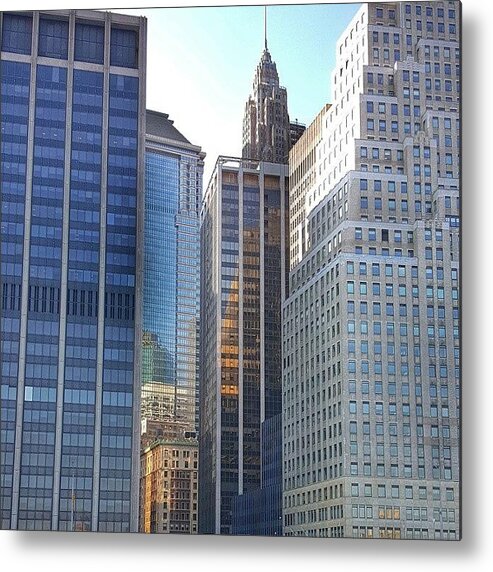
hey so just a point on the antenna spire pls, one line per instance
(265, 26)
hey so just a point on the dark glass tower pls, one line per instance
(243, 280)
(72, 133)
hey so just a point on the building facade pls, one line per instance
(296, 130)
(266, 127)
(371, 341)
(302, 174)
(243, 280)
(169, 483)
(72, 126)
(173, 193)
(258, 512)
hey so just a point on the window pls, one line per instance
(16, 33)
(89, 43)
(53, 38)
(123, 47)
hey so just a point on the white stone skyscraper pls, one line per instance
(371, 344)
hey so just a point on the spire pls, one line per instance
(265, 27)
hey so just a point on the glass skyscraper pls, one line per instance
(173, 192)
(244, 268)
(72, 133)
(169, 413)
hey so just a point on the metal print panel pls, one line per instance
(275, 352)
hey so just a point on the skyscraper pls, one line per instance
(302, 175)
(169, 412)
(371, 379)
(72, 127)
(243, 280)
(173, 193)
(266, 127)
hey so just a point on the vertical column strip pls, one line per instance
(282, 178)
(139, 285)
(262, 300)
(19, 418)
(219, 347)
(102, 277)
(64, 274)
(240, 330)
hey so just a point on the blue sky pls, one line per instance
(201, 63)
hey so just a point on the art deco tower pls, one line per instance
(266, 129)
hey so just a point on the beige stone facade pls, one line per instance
(169, 487)
(371, 330)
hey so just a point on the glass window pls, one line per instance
(89, 43)
(123, 48)
(16, 33)
(53, 38)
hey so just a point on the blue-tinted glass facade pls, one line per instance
(68, 280)
(41, 370)
(15, 89)
(171, 278)
(53, 38)
(123, 48)
(162, 189)
(89, 43)
(17, 33)
(118, 367)
(79, 398)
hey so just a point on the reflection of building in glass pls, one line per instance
(152, 430)
(169, 412)
(173, 192)
(168, 486)
(166, 403)
(72, 170)
(371, 332)
(153, 359)
(244, 266)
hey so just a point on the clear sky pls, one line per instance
(201, 62)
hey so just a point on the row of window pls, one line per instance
(429, 10)
(53, 40)
(382, 489)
